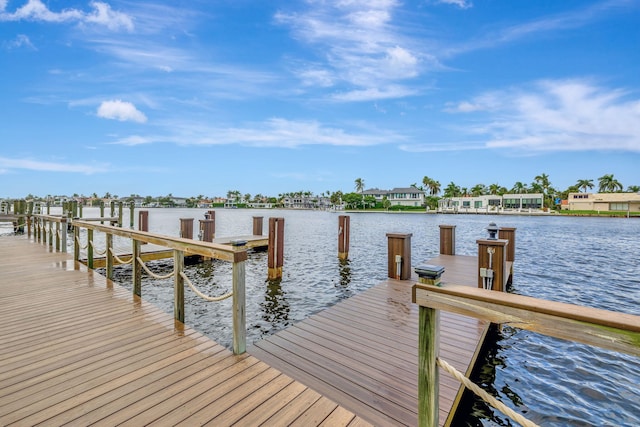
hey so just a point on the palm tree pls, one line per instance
(585, 184)
(543, 181)
(633, 189)
(359, 185)
(608, 184)
(494, 189)
(432, 185)
(478, 190)
(452, 190)
(519, 188)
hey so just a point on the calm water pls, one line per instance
(587, 261)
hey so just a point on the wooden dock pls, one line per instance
(78, 349)
(363, 352)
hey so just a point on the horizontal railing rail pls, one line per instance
(615, 331)
(237, 255)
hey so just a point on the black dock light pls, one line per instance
(493, 230)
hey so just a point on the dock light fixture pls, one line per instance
(493, 231)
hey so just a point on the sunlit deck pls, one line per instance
(363, 352)
(78, 349)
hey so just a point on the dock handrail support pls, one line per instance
(43, 230)
(614, 331)
(236, 254)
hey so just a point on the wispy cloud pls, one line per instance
(462, 4)
(558, 115)
(275, 132)
(101, 14)
(120, 110)
(20, 41)
(40, 166)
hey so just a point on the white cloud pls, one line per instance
(36, 165)
(36, 10)
(120, 110)
(561, 115)
(462, 4)
(357, 44)
(372, 94)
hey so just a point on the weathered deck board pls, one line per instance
(363, 352)
(78, 349)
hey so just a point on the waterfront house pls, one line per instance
(603, 202)
(491, 203)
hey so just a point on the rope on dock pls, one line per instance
(484, 395)
(151, 273)
(99, 253)
(120, 260)
(200, 294)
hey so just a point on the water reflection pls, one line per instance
(344, 291)
(275, 305)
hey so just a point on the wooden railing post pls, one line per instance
(119, 214)
(57, 234)
(343, 236)
(63, 234)
(90, 248)
(399, 256)
(447, 239)
(76, 243)
(275, 254)
(239, 304)
(109, 255)
(132, 206)
(428, 375)
(178, 285)
(136, 269)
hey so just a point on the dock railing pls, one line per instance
(615, 331)
(49, 229)
(236, 254)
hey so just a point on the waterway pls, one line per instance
(580, 260)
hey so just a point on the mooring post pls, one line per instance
(343, 236)
(186, 228)
(257, 226)
(119, 214)
(101, 210)
(509, 233)
(447, 239)
(275, 255)
(132, 205)
(90, 248)
(399, 256)
(207, 229)
(492, 261)
(136, 268)
(109, 255)
(143, 220)
(239, 298)
(63, 234)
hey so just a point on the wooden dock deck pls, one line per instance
(363, 352)
(78, 349)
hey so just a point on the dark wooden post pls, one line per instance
(257, 226)
(178, 285)
(136, 268)
(447, 239)
(275, 255)
(101, 210)
(492, 256)
(210, 214)
(509, 233)
(399, 256)
(143, 220)
(186, 228)
(207, 230)
(343, 236)
(428, 372)
(132, 206)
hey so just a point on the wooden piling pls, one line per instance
(186, 228)
(447, 239)
(275, 255)
(343, 236)
(207, 230)
(509, 233)
(399, 256)
(257, 225)
(143, 220)
(498, 259)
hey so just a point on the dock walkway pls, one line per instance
(78, 349)
(363, 352)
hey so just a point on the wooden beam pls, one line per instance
(601, 328)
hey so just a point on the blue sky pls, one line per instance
(202, 97)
